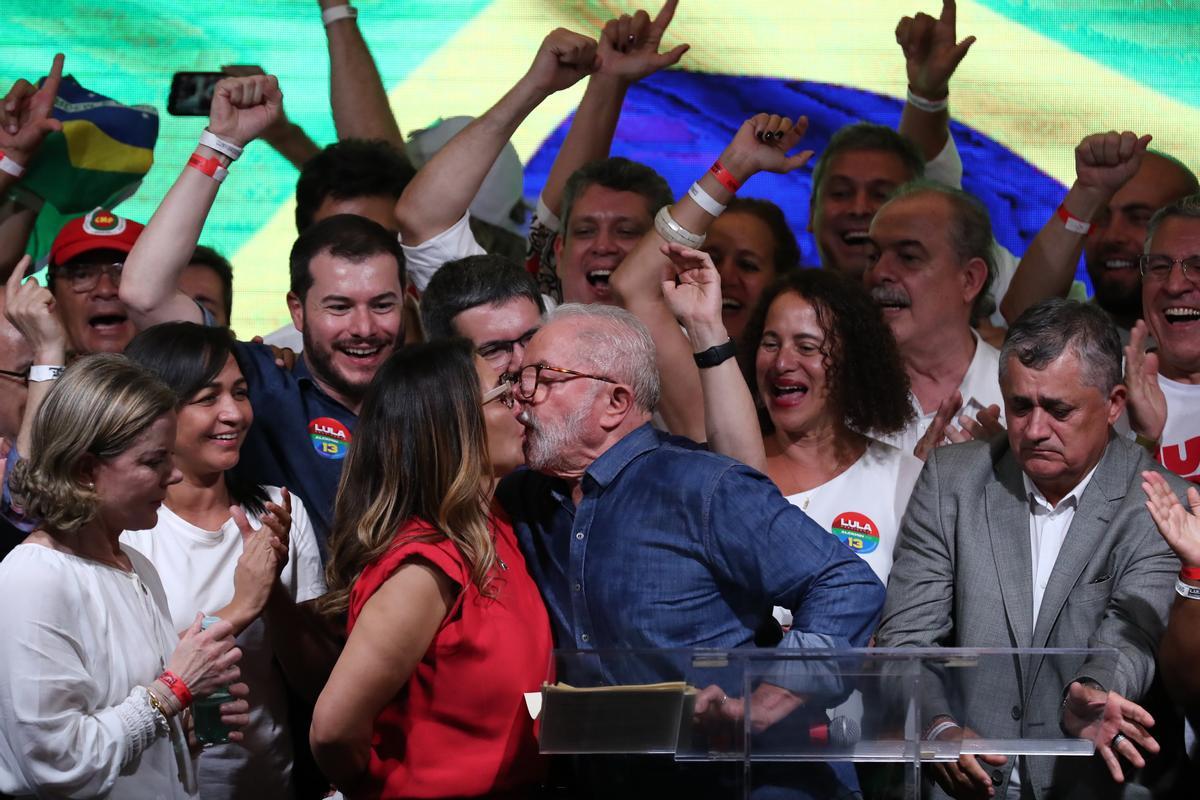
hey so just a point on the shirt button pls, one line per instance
(579, 535)
(1016, 712)
(578, 587)
(997, 777)
(585, 638)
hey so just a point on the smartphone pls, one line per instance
(192, 93)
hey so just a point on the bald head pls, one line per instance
(15, 356)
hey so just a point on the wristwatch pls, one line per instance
(717, 354)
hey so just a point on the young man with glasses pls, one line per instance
(491, 301)
(1164, 385)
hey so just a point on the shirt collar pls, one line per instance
(300, 370)
(612, 461)
(1036, 498)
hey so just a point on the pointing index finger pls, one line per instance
(665, 15)
(949, 12)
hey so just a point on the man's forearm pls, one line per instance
(589, 137)
(928, 130)
(1048, 266)
(152, 270)
(294, 145)
(442, 190)
(360, 104)
(16, 225)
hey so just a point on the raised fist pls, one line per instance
(564, 58)
(242, 108)
(629, 45)
(1106, 161)
(25, 115)
(931, 51)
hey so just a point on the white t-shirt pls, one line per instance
(863, 506)
(196, 567)
(980, 388)
(1180, 451)
(76, 638)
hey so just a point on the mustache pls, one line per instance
(369, 341)
(890, 294)
(526, 419)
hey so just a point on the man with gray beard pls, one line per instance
(930, 263)
(638, 539)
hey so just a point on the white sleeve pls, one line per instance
(423, 260)
(1006, 267)
(946, 167)
(60, 749)
(303, 575)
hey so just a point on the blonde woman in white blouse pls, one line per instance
(93, 679)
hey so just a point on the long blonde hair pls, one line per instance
(419, 451)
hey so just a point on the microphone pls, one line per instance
(838, 732)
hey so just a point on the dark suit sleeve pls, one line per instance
(919, 608)
(1135, 618)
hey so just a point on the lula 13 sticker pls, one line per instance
(330, 438)
(856, 531)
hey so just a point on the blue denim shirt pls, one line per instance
(672, 546)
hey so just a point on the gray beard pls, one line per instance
(548, 446)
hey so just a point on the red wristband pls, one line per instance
(209, 166)
(1073, 223)
(177, 687)
(724, 177)
(1190, 573)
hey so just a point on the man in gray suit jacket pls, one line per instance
(1041, 539)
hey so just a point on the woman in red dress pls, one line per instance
(447, 630)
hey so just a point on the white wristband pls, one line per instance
(930, 106)
(940, 728)
(672, 231)
(705, 200)
(334, 13)
(1187, 590)
(44, 372)
(227, 149)
(10, 166)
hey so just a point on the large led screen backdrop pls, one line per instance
(1042, 74)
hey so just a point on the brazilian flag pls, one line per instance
(98, 159)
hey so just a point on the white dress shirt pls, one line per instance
(1048, 526)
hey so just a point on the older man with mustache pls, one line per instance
(929, 264)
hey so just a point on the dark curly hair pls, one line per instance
(866, 377)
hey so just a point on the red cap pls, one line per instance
(97, 230)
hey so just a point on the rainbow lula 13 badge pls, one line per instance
(330, 438)
(856, 531)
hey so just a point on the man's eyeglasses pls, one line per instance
(503, 392)
(1157, 267)
(529, 377)
(501, 351)
(22, 377)
(85, 277)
